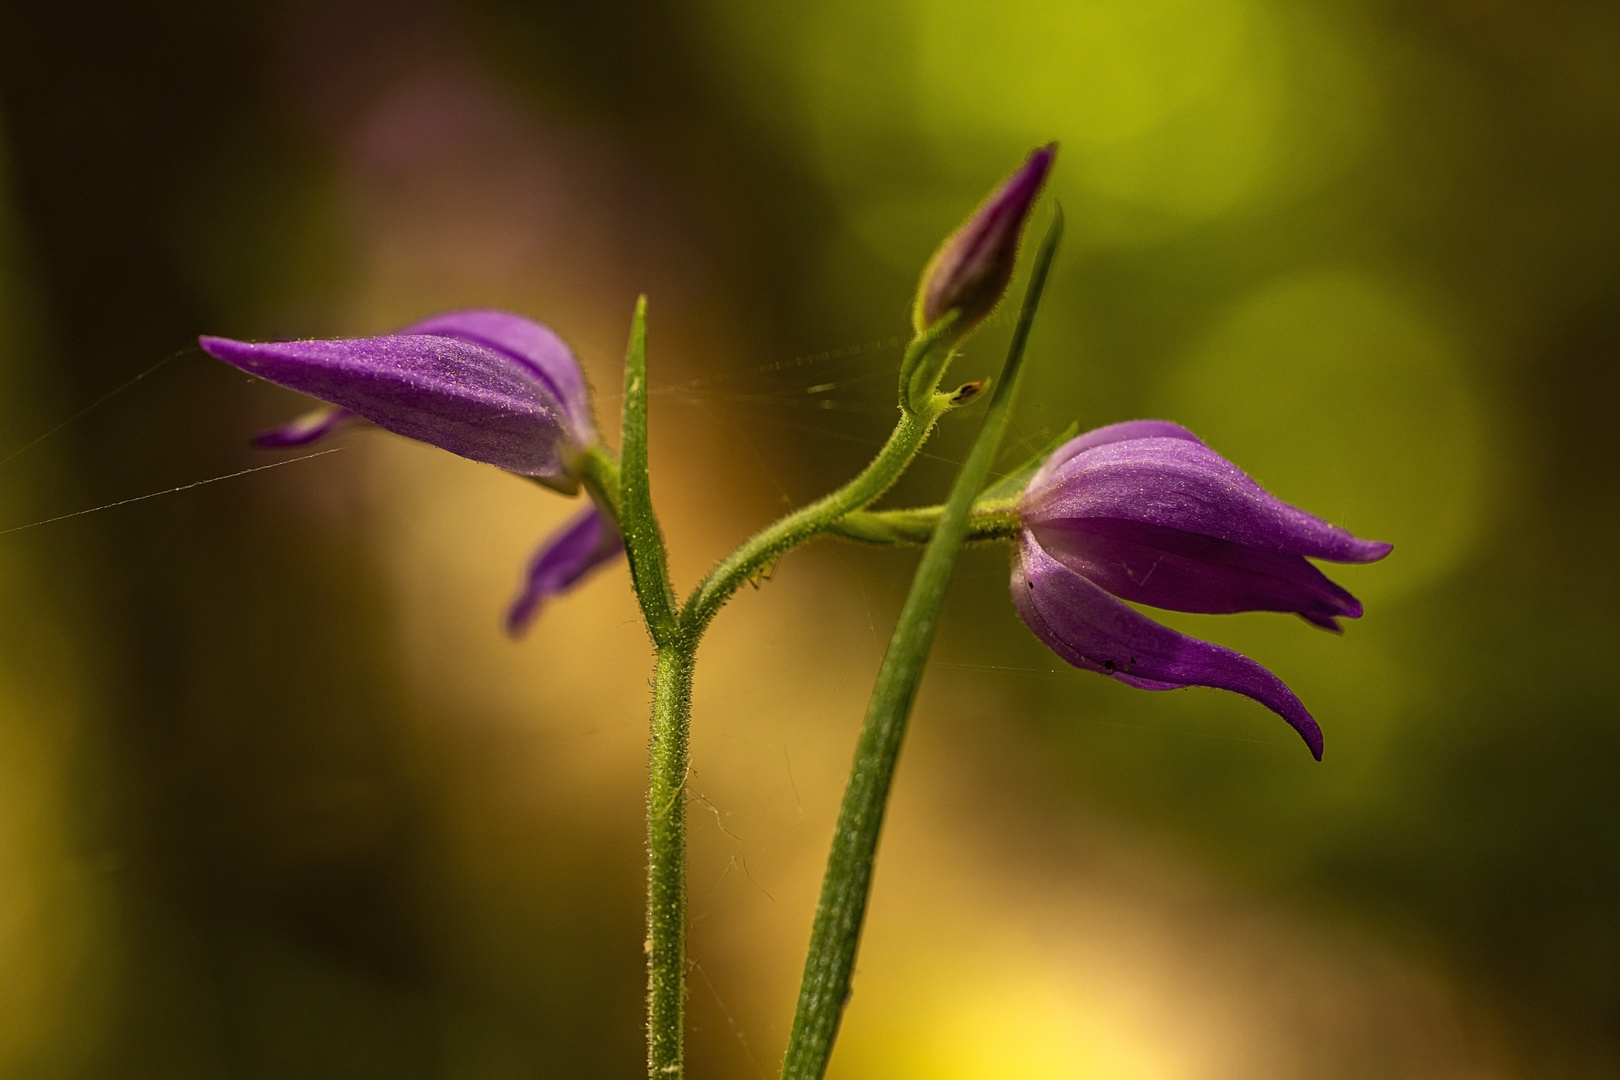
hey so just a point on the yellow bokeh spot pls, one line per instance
(1005, 1007)
(1161, 103)
(1338, 394)
(1169, 111)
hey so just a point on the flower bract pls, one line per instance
(1144, 511)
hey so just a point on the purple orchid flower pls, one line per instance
(1144, 511)
(487, 385)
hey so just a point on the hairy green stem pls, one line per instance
(841, 909)
(915, 526)
(627, 493)
(666, 864)
(621, 487)
(925, 361)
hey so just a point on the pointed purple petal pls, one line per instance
(1183, 571)
(529, 343)
(565, 559)
(1092, 630)
(1129, 429)
(313, 426)
(1175, 483)
(465, 398)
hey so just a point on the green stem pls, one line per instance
(599, 472)
(760, 551)
(666, 864)
(841, 910)
(915, 526)
(626, 492)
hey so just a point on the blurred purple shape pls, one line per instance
(588, 541)
(1146, 512)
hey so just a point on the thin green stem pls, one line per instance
(925, 361)
(915, 526)
(599, 472)
(625, 490)
(666, 864)
(759, 552)
(621, 486)
(841, 910)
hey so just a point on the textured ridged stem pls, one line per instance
(666, 864)
(841, 909)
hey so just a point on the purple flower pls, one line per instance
(568, 555)
(1144, 511)
(484, 384)
(971, 269)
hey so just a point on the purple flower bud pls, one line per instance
(971, 269)
(487, 385)
(1144, 511)
(588, 541)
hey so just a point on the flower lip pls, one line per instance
(489, 386)
(1082, 623)
(1182, 571)
(586, 542)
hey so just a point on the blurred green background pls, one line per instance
(278, 800)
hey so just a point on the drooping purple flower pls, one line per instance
(1144, 511)
(487, 385)
(588, 540)
(484, 384)
(971, 269)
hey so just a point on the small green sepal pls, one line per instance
(1013, 484)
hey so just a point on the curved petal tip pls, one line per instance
(309, 428)
(567, 557)
(1095, 631)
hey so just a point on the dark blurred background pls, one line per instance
(277, 799)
